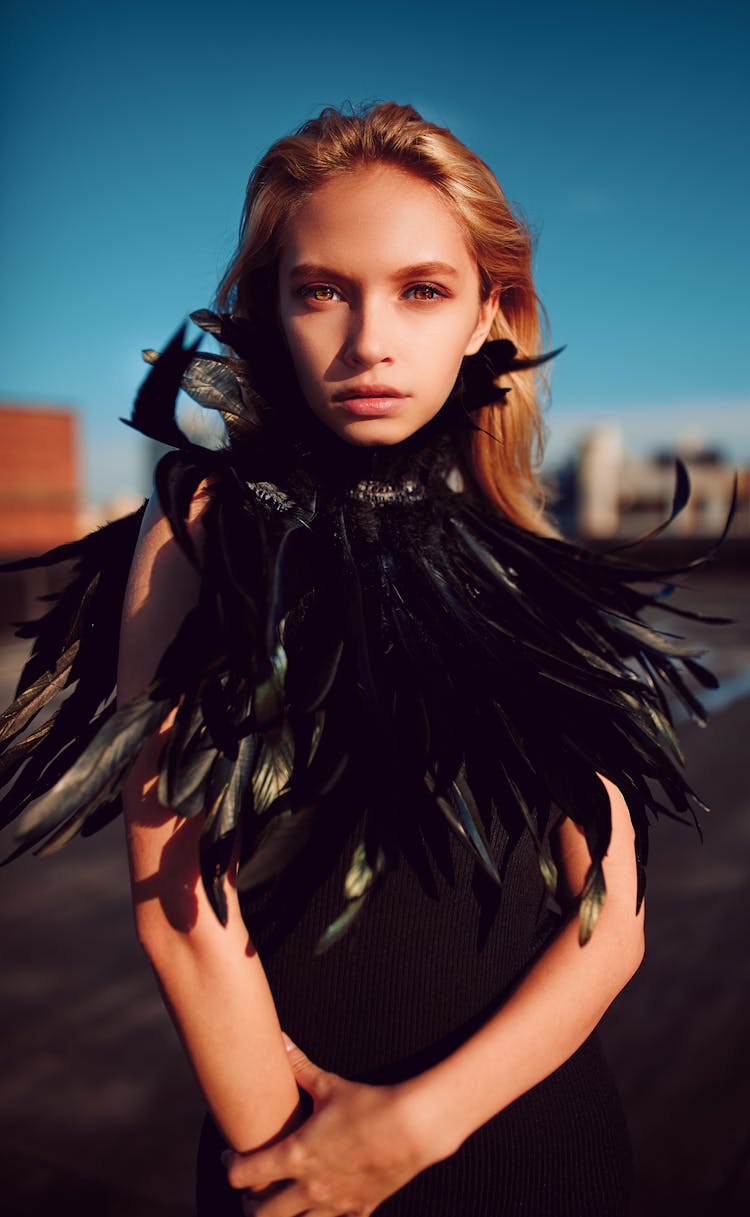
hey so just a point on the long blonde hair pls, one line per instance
(503, 456)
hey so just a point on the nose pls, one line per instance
(367, 342)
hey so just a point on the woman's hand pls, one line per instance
(360, 1145)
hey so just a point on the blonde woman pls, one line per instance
(382, 747)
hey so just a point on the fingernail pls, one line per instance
(288, 1044)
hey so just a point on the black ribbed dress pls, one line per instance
(432, 956)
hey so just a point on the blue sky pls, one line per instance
(129, 130)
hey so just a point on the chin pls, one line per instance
(376, 432)
(373, 438)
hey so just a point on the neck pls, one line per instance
(297, 447)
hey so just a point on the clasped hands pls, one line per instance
(360, 1144)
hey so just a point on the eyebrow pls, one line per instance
(420, 270)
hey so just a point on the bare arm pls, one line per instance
(211, 977)
(557, 1004)
(363, 1143)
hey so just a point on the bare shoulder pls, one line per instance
(571, 851)
(162, 588)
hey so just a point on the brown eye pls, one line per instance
(322, 293)
(424, 291)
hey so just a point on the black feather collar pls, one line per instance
(363, 626)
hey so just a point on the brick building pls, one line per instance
(40, 492)
(39, 478)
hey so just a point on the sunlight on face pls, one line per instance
(379, 301)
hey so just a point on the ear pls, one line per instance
(487, 313)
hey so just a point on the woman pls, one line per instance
(376, 283)
(355, 631)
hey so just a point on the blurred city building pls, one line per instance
(40, 497)
(602, 491)
(40, 481)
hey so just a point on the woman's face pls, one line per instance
(379, 301)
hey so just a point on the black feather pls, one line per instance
(154, 407)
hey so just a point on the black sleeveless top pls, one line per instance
(438, 950)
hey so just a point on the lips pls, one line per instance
(368, 401)
(371, 392)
